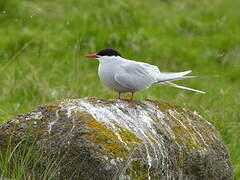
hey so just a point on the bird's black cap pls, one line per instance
(108, 52)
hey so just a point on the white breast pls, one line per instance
(106, 72)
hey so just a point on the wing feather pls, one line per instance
(135, 76)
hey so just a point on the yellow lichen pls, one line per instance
(53, 107)
(101, 135)
(186, 136)
(138, 171)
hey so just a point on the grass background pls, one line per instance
(42, 43)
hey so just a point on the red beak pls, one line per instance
(92, 56)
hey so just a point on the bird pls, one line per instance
(129, 76)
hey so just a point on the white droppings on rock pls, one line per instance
(135, 119)
(144, 139)
(68, 142)
(50, 124)
(155, 129)
(195, 113)
(124, 177)
(69, 110)
(112, 161)
(36, 115)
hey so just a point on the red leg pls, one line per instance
(130, 99)
(119, 95)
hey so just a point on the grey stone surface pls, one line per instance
(113, 139)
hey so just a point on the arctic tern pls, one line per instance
(128, 76)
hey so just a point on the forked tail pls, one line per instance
(182, 87)
(165, 78)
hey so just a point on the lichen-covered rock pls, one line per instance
(114, 139)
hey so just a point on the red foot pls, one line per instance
(128, 100)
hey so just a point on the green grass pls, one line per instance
(26, 162)
(42, 43)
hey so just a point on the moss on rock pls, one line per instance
(107, 139)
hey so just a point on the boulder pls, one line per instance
(112, 139)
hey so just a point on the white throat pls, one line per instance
(108, 59)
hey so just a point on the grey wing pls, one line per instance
(135, 76)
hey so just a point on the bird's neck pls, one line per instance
(109, 59)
